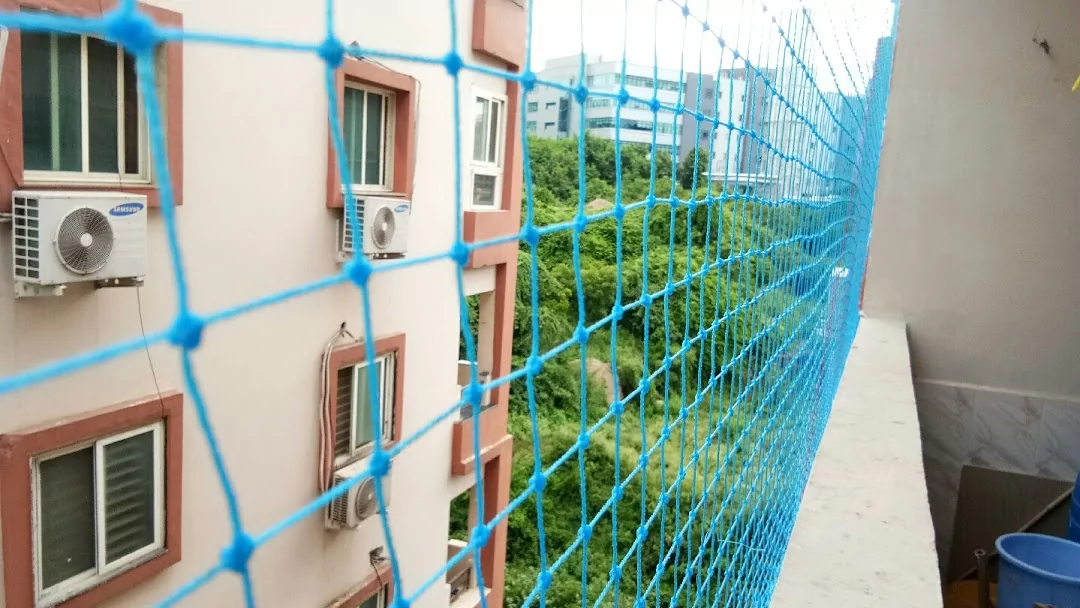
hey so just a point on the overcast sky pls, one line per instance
(848, 31)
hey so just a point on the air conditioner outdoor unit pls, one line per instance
(384, 228)
(357, 504)
(68, 237)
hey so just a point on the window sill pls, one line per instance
(149, 190)
(341, 462)
(91, 594)
(43, 180)
(356, 191)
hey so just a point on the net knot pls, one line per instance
(583, 442)
(133, 30)
(358, 271)
(332, 52)
(459, 253)
(235, 557)
(538, 482)
(379, 465)
(453, 63)
(585, 533)
(581, 335)
(481, 535)
(528, 81)
(186, 331)
(531, 235)
(533, 366)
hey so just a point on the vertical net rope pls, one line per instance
(741, 288)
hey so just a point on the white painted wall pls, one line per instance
(976, 216)
(254, 223)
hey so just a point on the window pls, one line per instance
(74, 117)
(643, 82)
(82, 117)
(369, 133)
(100, 508)
(533, 106)
(530, 126)
(376, 601)
(549, 125)
(604, 102)
(354, 432)
(347, 423)
(488, 117)
(629, 124)
(603, 80)
(549, 105)
(377, 116)
(372, 592)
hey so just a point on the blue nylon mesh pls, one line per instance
(747, 423)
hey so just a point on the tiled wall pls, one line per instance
(964, 424)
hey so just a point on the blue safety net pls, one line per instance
(719, 294)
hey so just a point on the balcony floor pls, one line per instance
(863, 536)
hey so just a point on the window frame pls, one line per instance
(351, 355)
(380, 597)
(387, 386)
(389, 127)
(37, 177)
(102, 570)
(20, 454)
(364, 74)
(170, 85)
(380, 583)
(485, 167)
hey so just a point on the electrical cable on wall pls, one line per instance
(326, 404)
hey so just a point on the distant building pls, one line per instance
(723, 99)
(553, 113)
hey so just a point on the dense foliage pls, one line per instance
(682, 283)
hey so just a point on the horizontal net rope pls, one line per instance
(722, 314)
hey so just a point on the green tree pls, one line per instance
(694, 166)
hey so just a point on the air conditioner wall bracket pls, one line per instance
(30, 290)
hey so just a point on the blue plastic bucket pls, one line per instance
(1037, 568)
(1074, 513)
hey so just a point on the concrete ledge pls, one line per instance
(863, 536)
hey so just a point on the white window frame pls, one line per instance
(143, 177)
(102, 571)
(389, 127)
(386, 408)
(494, 169)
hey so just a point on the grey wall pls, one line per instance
(976, 236)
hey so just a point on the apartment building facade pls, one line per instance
(110, 493)
(553, 113)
